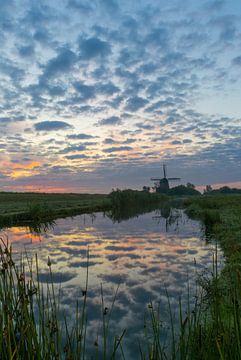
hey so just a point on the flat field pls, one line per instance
(22, 207)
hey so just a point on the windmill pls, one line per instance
(162, 184)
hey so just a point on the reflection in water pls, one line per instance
(137, 255)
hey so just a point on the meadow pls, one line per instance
(32, 323)
(23, 208)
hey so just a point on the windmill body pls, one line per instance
(161, 185)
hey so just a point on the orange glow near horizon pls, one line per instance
(19, 170)
(236, 184)
(23, 170)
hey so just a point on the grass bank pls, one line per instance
(28, 208)
(24, 208)
(219, 332)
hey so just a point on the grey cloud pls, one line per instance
(135, 103)
(73, 148)
(214, 5)
(62, 63)
(114, 278)
(110, 5)
(144, 126)
(176, 142)
(193, 39)
(157, 37)
(113, 120)
(129, 141)
(110, 141)
(57, 277)
(115, 102)
(237, 61)
(41, 36)
(76, 157)
(52, 126)
(86, 91)
(80, 136)
(108, 89)
(148, 68)
(83, 6)
(94, 47)
(12, 118)
(117, 148)
(26, 51)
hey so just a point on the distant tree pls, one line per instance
(183, 190)
(208, 189)
(190, 185)
(146, 188)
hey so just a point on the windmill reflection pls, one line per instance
(171, 216)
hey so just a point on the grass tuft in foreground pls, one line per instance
(32, 324)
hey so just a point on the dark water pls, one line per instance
(143, 256)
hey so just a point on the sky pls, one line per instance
(96, 95)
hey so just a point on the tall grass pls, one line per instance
(32, 324)
(130, 203)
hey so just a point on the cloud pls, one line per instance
(86, 91)
(112, 120)
(144, 126)
(76, 157)
(214, 5)
(57, 277)
(82, 6)
(72, 148)
(157, 37)
(80, 136)
(26, 51)
(52, 126)
(117, 148)
(94, 47)
(135, 103)
(237, 61)
(108, 89)
(110, 5)
(60, 64)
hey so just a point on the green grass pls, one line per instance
(23, 208)
(220, 328)
(31, 209)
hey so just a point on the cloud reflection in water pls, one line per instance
(137, 255)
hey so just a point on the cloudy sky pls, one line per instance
(98, 94)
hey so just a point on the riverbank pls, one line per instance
(24, 208)
(218, 333)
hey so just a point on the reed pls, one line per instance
(32, 324)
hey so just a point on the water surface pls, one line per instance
(143, 257)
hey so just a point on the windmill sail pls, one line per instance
(162, 184)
